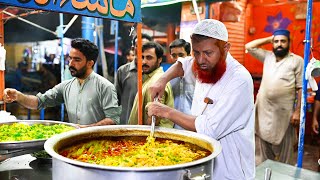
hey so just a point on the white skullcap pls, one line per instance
(211, 28)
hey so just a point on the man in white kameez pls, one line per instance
(276, 115)
(222, 106)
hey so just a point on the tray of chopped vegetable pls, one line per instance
(25, 134)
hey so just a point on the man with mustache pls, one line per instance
(152, 53)
(276, 112)
(126, 81)
(90, 99)
(222, 106)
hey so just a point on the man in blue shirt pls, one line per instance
(182, 88)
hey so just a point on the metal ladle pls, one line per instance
(153, 120)
(267, 174)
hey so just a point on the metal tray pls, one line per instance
(13, 145)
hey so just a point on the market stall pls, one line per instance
(119, 10)
(129, 13)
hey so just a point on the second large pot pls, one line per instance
(65, 168)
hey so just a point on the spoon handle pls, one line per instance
(153, 118)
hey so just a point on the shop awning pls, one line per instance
(118, 10)
(157, 13)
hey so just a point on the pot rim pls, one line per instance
(51, 142)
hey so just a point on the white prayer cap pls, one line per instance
(211, 28)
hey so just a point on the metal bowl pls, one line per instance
(76, 169)
(14, 145)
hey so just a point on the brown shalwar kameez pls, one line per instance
(275, 104)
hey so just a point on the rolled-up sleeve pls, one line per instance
(51, 98)
(258, 53)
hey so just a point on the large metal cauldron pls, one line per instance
(64, 168)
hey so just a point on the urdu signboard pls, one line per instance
(124, 10)
(154, 3)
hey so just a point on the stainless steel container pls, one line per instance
(65, 168)
(30, 144)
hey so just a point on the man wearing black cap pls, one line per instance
(276, 113)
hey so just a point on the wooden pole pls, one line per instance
(2, 79)
(171, 36)
(139, 64)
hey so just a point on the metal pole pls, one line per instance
(60, 35)
(99, 29)
(195, 7)
(115, 28)
(304, 85)
(88, 26)
(42, 114)
(207, 15)
(29, 22)
(74, 18)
